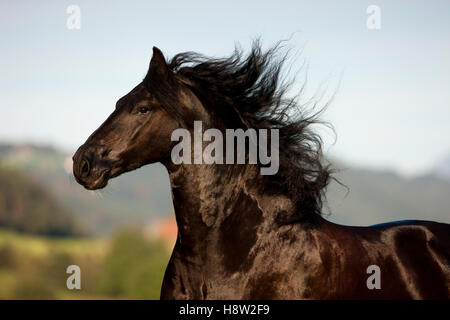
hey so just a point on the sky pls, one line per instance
(392, 104)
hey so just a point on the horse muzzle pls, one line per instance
(91, 168)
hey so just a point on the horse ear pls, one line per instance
(158, 67)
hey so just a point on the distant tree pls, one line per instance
(134, 267)
(27, 207)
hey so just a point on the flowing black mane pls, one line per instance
(252, 86)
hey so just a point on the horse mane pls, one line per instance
(253, 87)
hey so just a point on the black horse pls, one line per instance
(243, 235)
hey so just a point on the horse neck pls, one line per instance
(214, 202)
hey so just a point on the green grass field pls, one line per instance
(126, 266)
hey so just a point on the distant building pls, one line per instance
(164, 229)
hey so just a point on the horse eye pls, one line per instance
(143, 109)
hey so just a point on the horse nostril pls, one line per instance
(85, 168)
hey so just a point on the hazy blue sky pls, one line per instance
(392, 109)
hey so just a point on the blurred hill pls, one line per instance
(380, 196)
(27, 207)
(133, 199)
(143, 197)
(442, 168)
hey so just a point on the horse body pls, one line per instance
(243, 235)
(233, 248)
